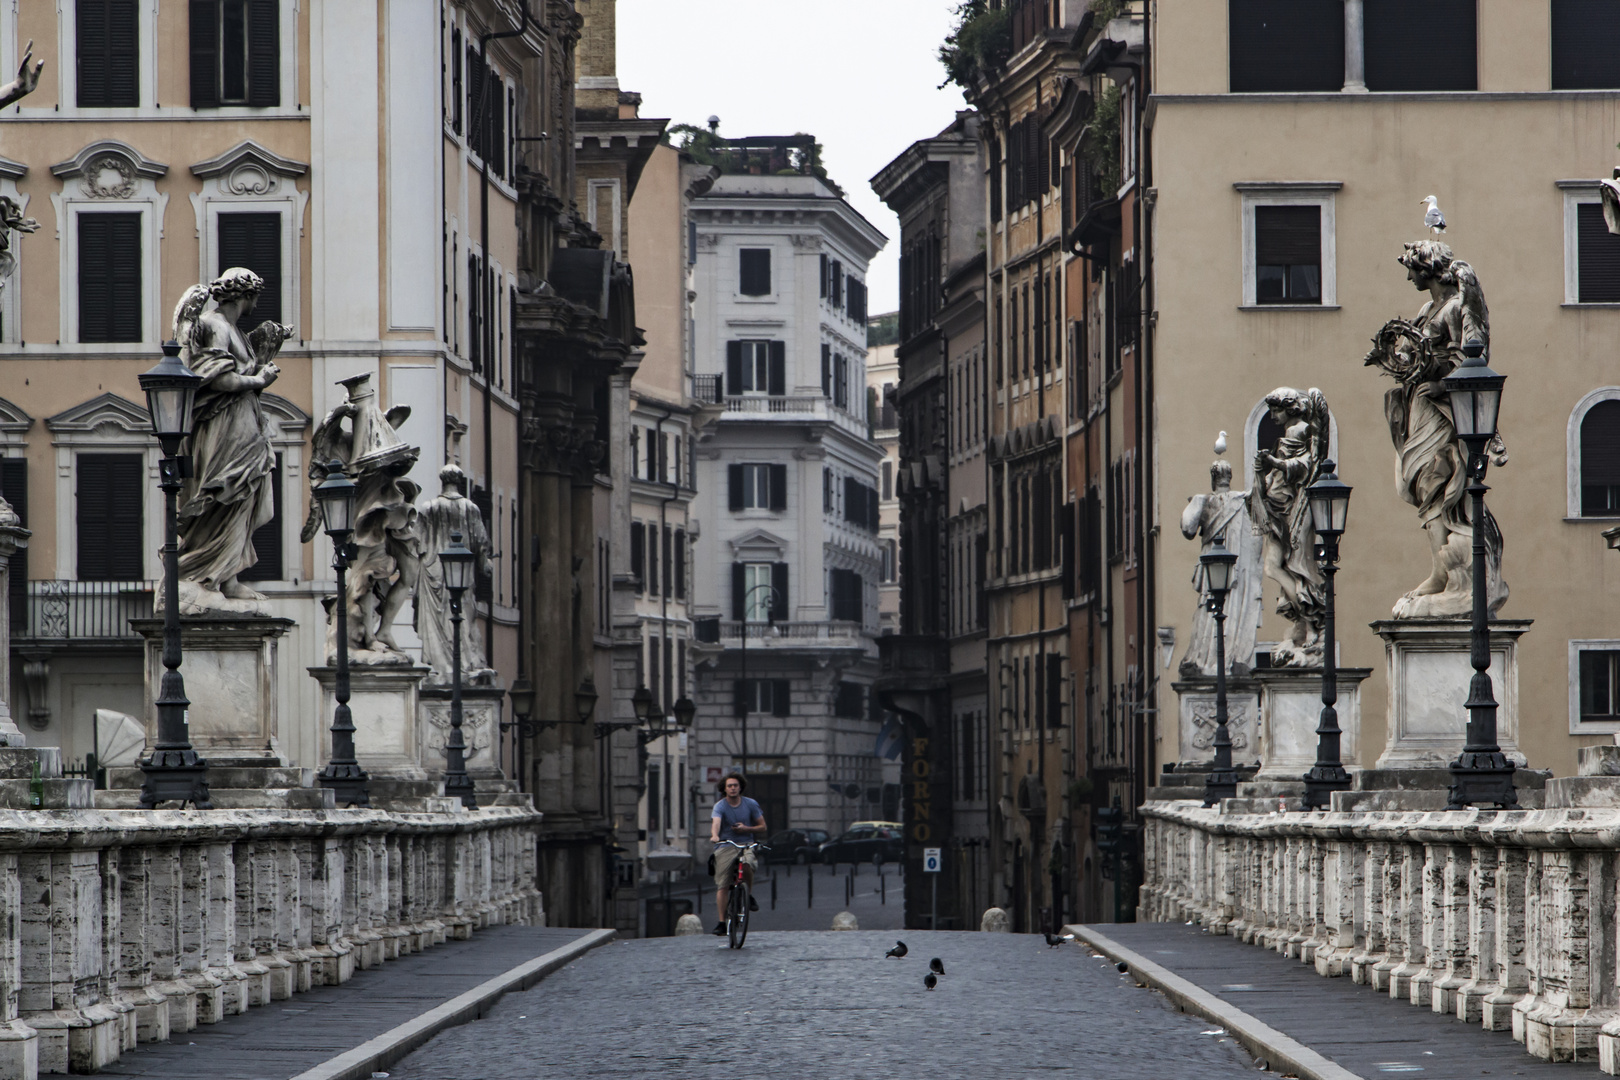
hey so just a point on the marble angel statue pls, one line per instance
(1223, 513)
(229, 493)
(1430, 461)
(448, 514)
(1281, 508)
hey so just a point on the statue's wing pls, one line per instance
(186, 313)
(1316, 415)
(1476, 318)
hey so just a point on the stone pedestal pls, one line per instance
(480, 729)
(1196, 702)
(229, 665)
(1429, 674)
(1291, 709)
(385, 701)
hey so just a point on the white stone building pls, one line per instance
(787, 499)
(882, 380)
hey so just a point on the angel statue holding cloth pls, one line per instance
(229, 493)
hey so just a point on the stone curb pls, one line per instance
(1266, 1043)
(376, 1055)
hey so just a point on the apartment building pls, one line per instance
(787, 505)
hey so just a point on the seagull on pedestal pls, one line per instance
(1433, 218)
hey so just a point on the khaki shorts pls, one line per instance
(725, 864)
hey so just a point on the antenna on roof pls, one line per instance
(714, 123)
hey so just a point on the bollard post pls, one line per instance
(883, 886)
(810, 890)
(773, 890)
(832, 868)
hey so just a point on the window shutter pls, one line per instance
(739, 588)
(707, 630)
(109, 517)
(1066, 542)
(779, 598)
(837, 283)
(1583, 52)
(1288, 45)
(734, 379)
(652, 559)
(872, 509)
(108, 42)
(734, 483)
(680, 564)
(826, 368)
(854, 505)
(1427, 46)
(204, 54)
(781, 697)
(253, 242)
(264, 53)
(638, 554)
(824, 277)
(1600, 446)
(496, 142)
(739, 697)
(14, 489)
(267, 538)
(754, 271)
(1597, 253)
(455, 81)
(778, 487)
(668, 549)
(778, 368)
(1054, 689)
(109, 277)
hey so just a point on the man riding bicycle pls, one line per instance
(739, 819)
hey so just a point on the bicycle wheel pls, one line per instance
(737, 915)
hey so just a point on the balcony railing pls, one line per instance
(792, 634)
(706, 389)
(796, 407)
(80, 610)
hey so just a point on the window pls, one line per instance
(891, 561)
(109, 277)
(837, 283)
(486, 116)
(108, 46)
(826, 490)
(14, 489)
(1594, 691)
(888, 480)
(456, 97)
(824, 273)
(1600, 460)
(754, 271)
(841, 381)
(680, 564)
(253, 241)
(1597, 254)
(1426, 46)
(761, 588)
(235, 53)
(1288, 254)
(638, 554)
(267, 539)
(848, 596)
(771, 696)
(108, 499)
(1584, 56)
(850, 701)
(1286, 45)
(758, 487)
(756, 367)
(1288, 245)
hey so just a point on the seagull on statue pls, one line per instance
(1220, 443)
(1433, 218)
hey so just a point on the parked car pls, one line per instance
(795, 846)
(866, 841)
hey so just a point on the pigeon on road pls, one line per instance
(937, 966)
(1054, 940)
(1433, 218)
(930, 981)
(1123, 966)
(898, 951)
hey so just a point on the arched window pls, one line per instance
(1592, 445)
(1600, 460)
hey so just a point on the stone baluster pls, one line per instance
(1452, 963)
(1564, 1023)
(1431, 876)
(112, 949)
(1535, 963)
(1373, 943)
(219, 942)
(1406, 921)
(19, 1043)
(332, 954)
(135, 936)
(1481, 945)
(1496, 1009)
(59, 932)
(1314, 883)
(196, 918)
(1343, 870)
(256, 895)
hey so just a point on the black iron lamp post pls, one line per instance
(522, 694)
(174, 772)
(746, 703)
(685, 710)
(1330, 505)
(343, 773)
(1481, 773)
(1221, 781)
(457, 561)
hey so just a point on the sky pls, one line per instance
(859, 75)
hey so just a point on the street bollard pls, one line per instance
(832, 868)
(810, 890)
(773, 891)
(883, 885)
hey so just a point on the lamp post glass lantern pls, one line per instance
(1481, 773)
(173, 772)
(1221, 780)
(456, 561)
(343, 774)
(1330, 507)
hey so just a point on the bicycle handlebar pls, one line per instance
(743, 847)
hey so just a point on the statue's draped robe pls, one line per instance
(437, 519)
(1225, 514)
(233, 464)
(1283, 512)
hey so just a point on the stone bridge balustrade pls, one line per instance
(118, 927)
(1501, 918)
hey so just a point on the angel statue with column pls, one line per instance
(1280, 506)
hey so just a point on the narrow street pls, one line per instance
(806, 897)
(831, 1005)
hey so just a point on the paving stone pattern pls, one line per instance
(284, 1038)
(879, 903)
(1370, 1034)
(825, 1004)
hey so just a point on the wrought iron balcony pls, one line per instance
(80, 611)
(833, 633)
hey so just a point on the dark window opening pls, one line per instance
(1597, 256)
(754, 271)
(108, 46)
(253, 242)
(1600, 684)
(109, 277)
(267, 538)
(1288, 254)
(235, 53)
(1431, 45)
(108, 500)
(1281, 46)
(1600, 460)
(1584, 36)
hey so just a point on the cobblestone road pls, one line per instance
(828, 1005)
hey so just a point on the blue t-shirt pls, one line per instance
(746, 812)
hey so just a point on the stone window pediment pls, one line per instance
(759, 545)
(96, 416)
